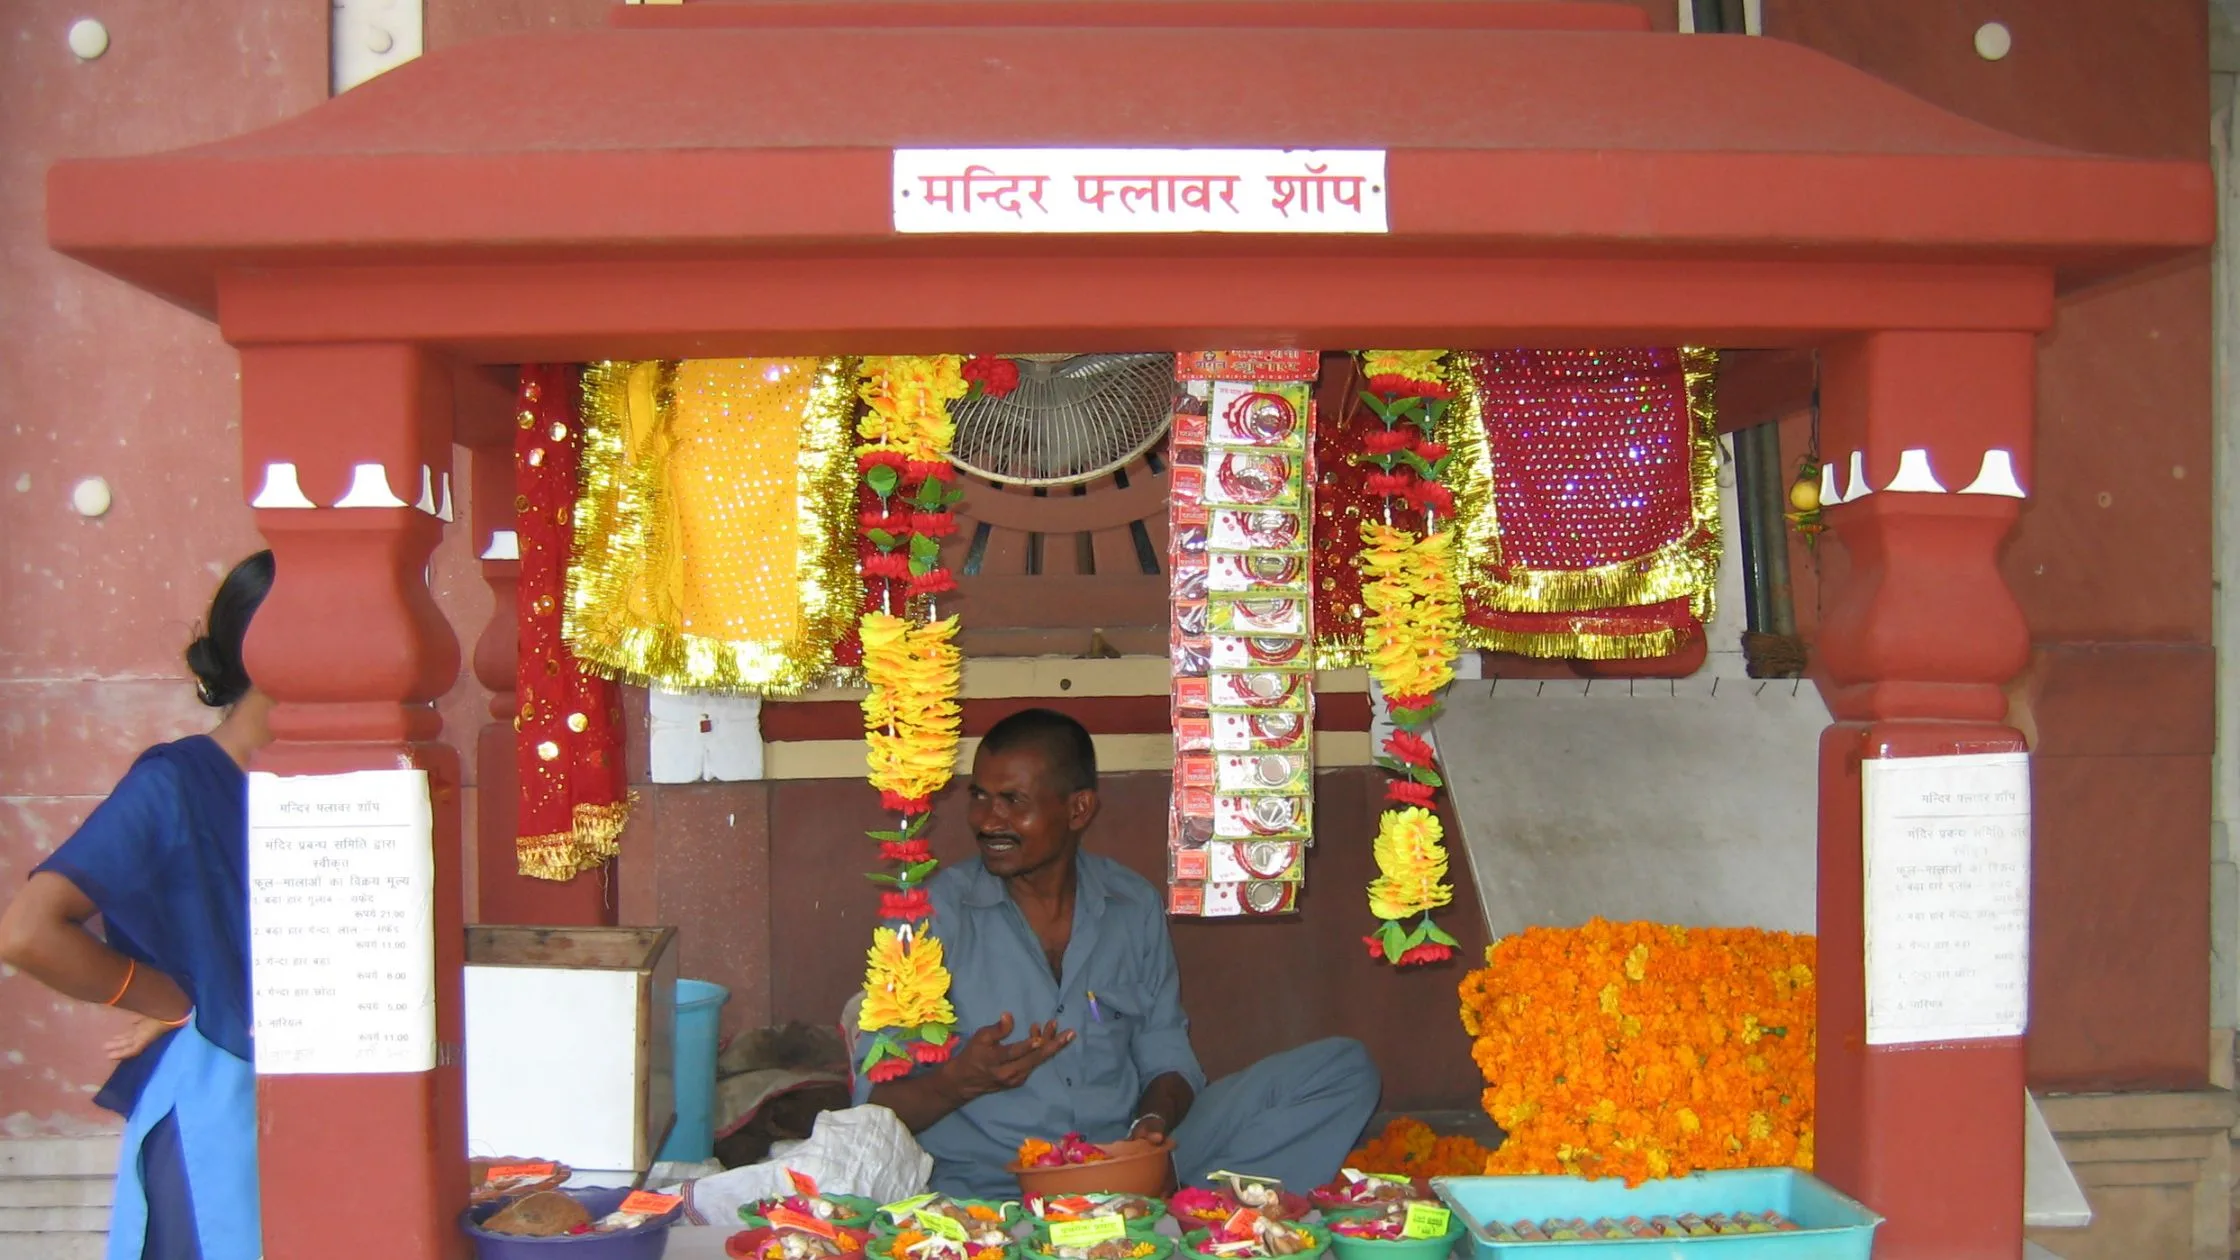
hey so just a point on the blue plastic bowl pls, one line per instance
(646, 1242)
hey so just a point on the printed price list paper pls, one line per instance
(342, 922)
(1947, 897)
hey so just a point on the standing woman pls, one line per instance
(164, 862)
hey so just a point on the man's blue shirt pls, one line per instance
(1135, 1032)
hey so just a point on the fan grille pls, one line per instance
(1072, 419)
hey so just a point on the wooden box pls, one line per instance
(569, 1043)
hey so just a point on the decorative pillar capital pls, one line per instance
(1925, 442)
(348, 452)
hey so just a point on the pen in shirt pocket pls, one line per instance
(1095, 1012)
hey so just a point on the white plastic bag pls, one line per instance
(862, 1151)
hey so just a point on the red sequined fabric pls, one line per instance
(1590, 453)
(574, 794)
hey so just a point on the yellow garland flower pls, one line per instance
(1412, 862)
(911, 717)
(1414, 365)
(1642, 1050)
(908, 397)
(905, 985)
(1411, 606)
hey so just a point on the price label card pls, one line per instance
(1426, 1220)
(787, 1218)
(907, 1208)
(941, 1226)
(803, 1183)
(647, 1203)
(507, 1172)
(1087, 1233)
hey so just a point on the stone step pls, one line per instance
(50, 1220)
(35, 1192)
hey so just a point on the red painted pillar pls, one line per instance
(1919, 636)
(352, 646)
(487, 420)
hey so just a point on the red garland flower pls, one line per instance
(1411, 748)
(869, 460)
(888, 1070)
(896, 802)
(1431, 452)
(1410, 792)
(1405, 387)
(927, 1052)
(912, 905)
(1428, 952)
(892, 522)
(921, 470)
(887, 564)
(932, 524)
(904, 851)
(1412, 702)
(1385, 441)
(1389, 484)
(995, 375)
(933, 582)
(1431, 497)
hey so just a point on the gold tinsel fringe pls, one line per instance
(1687, 567)
(595, 838)
(616, 535)
(1568, 645)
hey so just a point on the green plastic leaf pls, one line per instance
(882, 479)
(887, 837)
(1417, 462)
(1394, 764)
(881, 539)
(916, 872)
(1416, 936)
(934, 1034)
(916, 824)
(1394, 938)
(881, 877)
(1432, 932)
(924, 548)
(1427, 776)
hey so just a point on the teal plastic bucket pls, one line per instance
(699, 1011)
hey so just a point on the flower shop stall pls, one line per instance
(690, 187)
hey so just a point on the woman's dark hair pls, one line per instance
(220, 678)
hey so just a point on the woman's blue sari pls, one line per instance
(165, 859)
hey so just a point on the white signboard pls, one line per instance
(342, 922)
(1025, 191)
(1947, 897)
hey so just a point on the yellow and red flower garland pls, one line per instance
(1410, 628)
(1642, 1050)
(913, 669)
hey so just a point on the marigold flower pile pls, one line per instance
(1411, 625)
(1409, 1148)
(913, 670)
(1641, 1050)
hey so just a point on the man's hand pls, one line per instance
(1149, 1128)
(987, 1065)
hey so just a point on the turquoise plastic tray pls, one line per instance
(1834, 1226)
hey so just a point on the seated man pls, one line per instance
(1071, 948)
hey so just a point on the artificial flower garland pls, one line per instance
(914, 671)
(1642, 1050)
(1410, 626)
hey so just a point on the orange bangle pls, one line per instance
(129, 967)
(180, 1022)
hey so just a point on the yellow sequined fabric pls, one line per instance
(715, 547)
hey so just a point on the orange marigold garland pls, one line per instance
(1410, 626)
(1642, 1050)
(914, 671)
